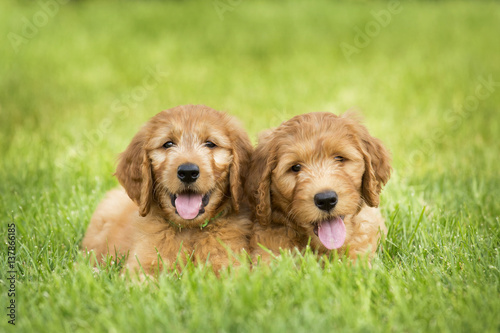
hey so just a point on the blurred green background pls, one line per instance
(78, 78)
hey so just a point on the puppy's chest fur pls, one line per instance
(174, 246)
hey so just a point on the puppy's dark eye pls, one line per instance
(339, 159)
(210, 144)
(168, 144)
(296, 168)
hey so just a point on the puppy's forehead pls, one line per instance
(315, 137)
(314, 149)
(190, 128)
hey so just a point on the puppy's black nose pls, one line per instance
(326, 200)
(188, 172)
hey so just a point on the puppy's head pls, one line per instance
(314, 170)
(190, 161)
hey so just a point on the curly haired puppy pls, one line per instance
(317, 178)
(183, 174)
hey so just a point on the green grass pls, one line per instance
(265, 62)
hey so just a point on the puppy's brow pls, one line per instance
(215, 134)
(290, 157)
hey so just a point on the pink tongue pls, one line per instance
(188, 205)
(332, 233)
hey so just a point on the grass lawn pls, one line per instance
(78, 79)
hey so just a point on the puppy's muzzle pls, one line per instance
(326, 201)
(188, 173)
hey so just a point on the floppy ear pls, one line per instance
(377, 168)
(134, 172)
(258, 185)
(238, 172)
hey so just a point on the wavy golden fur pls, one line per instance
(313, 154)
(142, 219)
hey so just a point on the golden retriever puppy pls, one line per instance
(316, 180)
(183, 174)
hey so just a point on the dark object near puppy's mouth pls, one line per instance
(189, 205)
